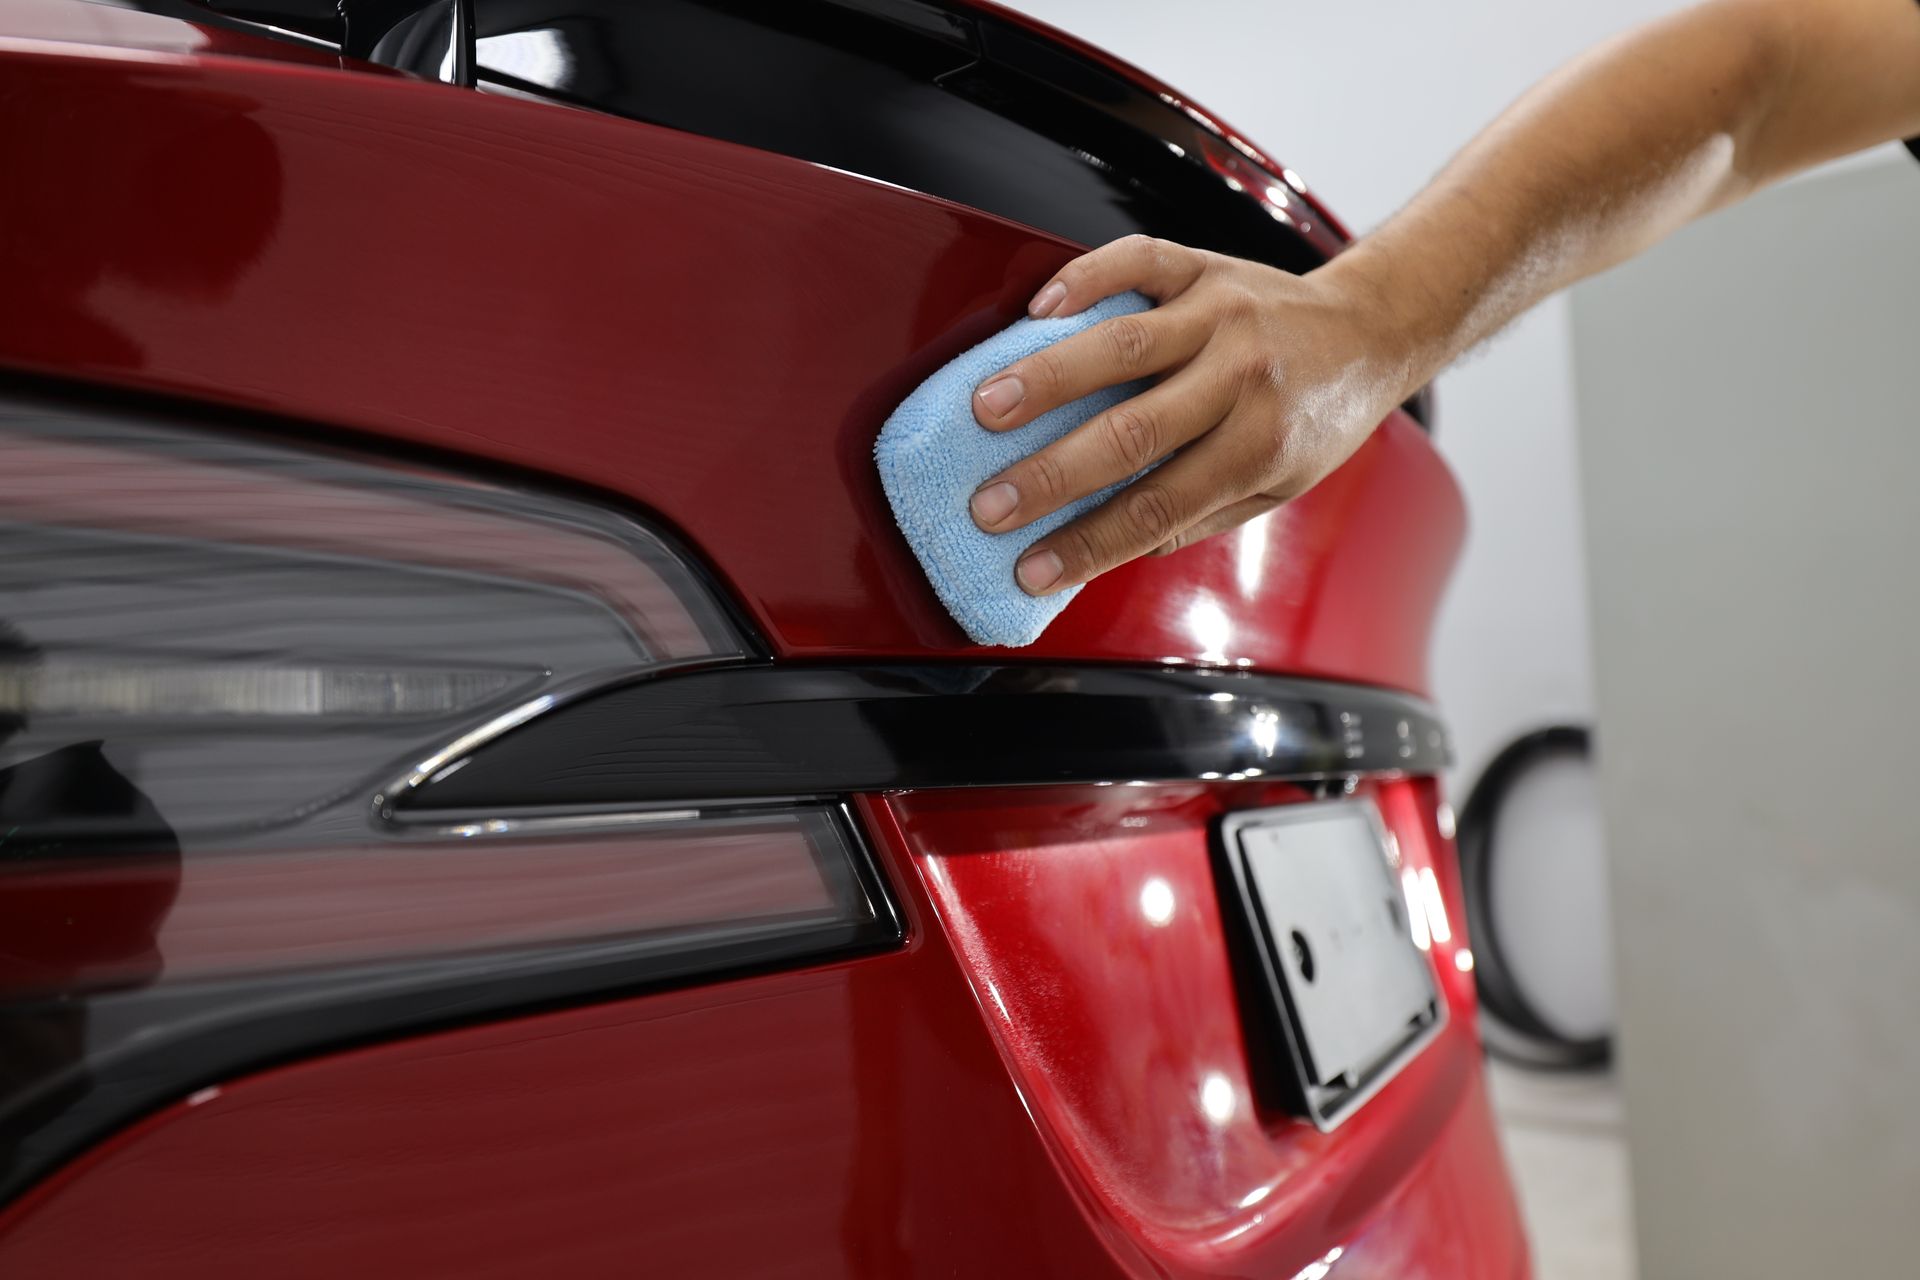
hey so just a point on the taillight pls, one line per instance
(221, 659)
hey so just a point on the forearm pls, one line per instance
(1266, 382)
(1624, 146)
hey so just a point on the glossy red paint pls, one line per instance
(1089, 922)
(858, 1119)
(793, 1125)
(697, 327)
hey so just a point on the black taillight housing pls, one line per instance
(223, 654)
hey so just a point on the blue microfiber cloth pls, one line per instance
(933, 455)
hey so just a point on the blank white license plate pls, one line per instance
(1353, 993)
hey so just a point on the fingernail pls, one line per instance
(1039, 571)
(1002, 396)
(995, 503)
(1047, 301)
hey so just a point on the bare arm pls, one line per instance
(1270, 381)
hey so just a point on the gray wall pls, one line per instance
(1749, 409)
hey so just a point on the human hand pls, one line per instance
(1268, 382)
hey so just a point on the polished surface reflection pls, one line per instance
(1091, 925)
(744, 730)
(607, 393)
(961, 103)
(255, 633)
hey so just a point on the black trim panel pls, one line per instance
(926, 94)
(744, 732)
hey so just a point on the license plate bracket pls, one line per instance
(1317, 890)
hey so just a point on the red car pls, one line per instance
(485, 790)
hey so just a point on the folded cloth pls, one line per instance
(933, 455)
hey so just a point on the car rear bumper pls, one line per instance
(915, 1112)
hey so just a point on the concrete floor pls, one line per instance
(1566, 1143)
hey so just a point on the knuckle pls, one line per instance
(1262, 373)
(1044, 477)
(1042, 372)
(1129, 342)
(1079, 551)
(1290, 486)
(1289, 462)
(1133, 436)
(1238, 301)
(1150, 511)
(1271, 453)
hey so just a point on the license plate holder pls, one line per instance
(1317, 886)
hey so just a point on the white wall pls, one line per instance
(1748, 453)
(1366, 99)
